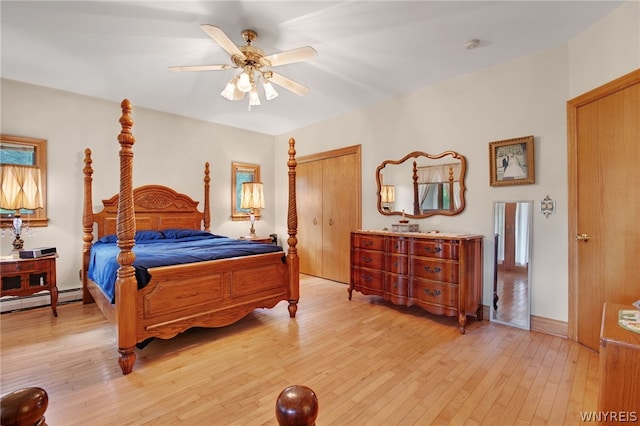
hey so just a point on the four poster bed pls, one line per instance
(150, 296)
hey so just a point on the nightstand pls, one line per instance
(23, 277)
(258, 239)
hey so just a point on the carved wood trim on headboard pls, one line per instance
(156, 207)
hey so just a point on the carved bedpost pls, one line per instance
(416, 197)
(126, 286)
(87, 224)
(292, 224)
(207, 209)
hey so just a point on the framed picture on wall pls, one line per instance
(511, 162)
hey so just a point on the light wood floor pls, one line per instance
(369, 363)
(513, 294)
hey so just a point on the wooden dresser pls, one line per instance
(441, 273)
(619, 368)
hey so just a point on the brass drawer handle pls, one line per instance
(367, 243)
(432, 292)
(367, 259)
(434, 250)
(367, 278)
(433, 270)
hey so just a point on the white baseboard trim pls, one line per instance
(10, 304)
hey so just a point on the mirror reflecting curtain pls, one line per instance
(423, 185)
(512, 263)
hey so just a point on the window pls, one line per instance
(15, 150)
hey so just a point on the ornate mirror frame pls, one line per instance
(413, 183)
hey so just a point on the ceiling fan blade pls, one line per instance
(221, 38)
(290, 56)
(202, 67)
(287, 83)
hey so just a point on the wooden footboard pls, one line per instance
(209, 294)
(205, 294)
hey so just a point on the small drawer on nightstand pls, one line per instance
(23, 266)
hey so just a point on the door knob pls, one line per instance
(582, 237)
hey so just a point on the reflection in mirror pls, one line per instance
(512, 265)
(242, 173)
(422, 185)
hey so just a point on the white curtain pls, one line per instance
(20, 187)
(441, 173)
(499, 230)
(522, 234)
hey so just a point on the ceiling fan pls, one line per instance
(255, 66)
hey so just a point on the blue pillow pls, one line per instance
(148, 234)
(109, 239)
(183, 233)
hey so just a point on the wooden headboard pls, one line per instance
(156, 207)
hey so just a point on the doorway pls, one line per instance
(604, 203)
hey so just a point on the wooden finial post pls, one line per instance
(126, 286)
(87, 223)
(292, 224)
(207, 208)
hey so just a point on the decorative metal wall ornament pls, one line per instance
(547, 206)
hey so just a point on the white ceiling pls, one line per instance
(367, 51)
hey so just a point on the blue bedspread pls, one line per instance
(163, 248)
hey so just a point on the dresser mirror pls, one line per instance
(512, 263)
(422, 185)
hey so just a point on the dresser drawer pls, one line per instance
(397, 285)
(435, 248)
(367, 242)
(437, 270)
(367, 280)
(435, 293)
(397, 264)
(367, 258)
(397, 245)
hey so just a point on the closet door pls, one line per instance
(340, 215)
(329, 208)
(309, 198)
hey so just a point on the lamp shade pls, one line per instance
(20, 187)
(252, 195)
(388, 194)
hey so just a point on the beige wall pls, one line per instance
(519, 98)
(169, 150)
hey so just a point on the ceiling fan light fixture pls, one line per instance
(229, 90)
(244, 82)
(270, 92)
(254, 99)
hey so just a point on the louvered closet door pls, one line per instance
(309, 198)
(340, 175)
